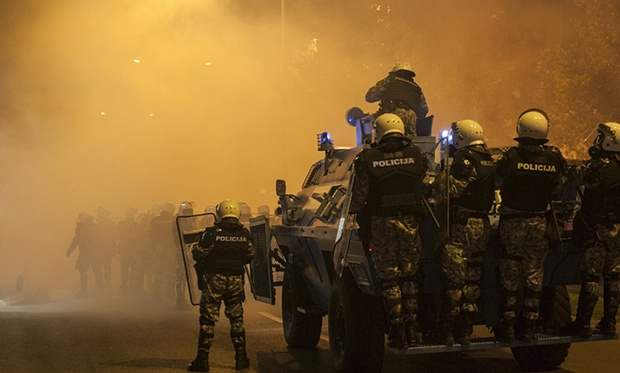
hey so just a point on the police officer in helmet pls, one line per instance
(220, 257)
(387, 198)
(471, 188)
(601, 213)
(399, 94)
(528, 176)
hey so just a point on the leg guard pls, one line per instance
(588, 296)
(409, 291)
(611, 301)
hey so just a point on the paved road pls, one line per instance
(84, 336)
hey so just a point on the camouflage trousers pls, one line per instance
(395, 249)
(525, 246)
(602, 261)
(461, 262)
(221, 288)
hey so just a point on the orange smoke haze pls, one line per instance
(133, 103)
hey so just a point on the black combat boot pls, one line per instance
(396, 335)
(200, 363)
(607, 325)
(585, 308)
(413, 335)
(241, 360)
(505, 331)
(529, 331)
(467, 329)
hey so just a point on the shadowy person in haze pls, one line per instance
(107, 240)
(128, 244)
(85, 239)
(399, 94)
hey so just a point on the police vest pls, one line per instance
(230, 251)
(395, 179)
(530, 179)
(479, 193)
(602, 202)
(401, 92)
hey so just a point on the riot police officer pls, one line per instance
(387, 198)
(601, 213)
(398, 93)
(471, 188)
(223, 251)
(527, 175)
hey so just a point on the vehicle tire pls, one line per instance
(555, 313)
(301, 330)
(364, 329)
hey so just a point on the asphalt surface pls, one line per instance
(130, 336)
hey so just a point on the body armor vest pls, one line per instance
(602, 202)
(230, 251)
(401, 93)
(530, 179)
(480, 193)
(395, 177)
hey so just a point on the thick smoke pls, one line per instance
(133, 103)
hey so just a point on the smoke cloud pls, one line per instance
(133, 103)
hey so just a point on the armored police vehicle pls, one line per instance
(315, 254)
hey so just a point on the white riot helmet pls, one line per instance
(403, 66)
(388, 123)
(227, 209)
(466, 132)
(608, 137)
(186, 208)
(533, 124)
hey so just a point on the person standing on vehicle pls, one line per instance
(528, 175)
(399, 94)
(601, 212)
(220, 257)
(471, 188)
(388, 192)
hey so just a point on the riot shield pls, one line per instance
(189, 230)
(261, 273)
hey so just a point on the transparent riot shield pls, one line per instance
(261, 268)
(190, 229)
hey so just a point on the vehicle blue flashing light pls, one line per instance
(325, 138)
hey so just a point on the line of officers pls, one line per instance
(146, 245)
(388, 200)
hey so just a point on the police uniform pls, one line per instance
(472, 193)
(601, 212)
(388, 193)
(402, 97)
(527, 175)
(223, 251)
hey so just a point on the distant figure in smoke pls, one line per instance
(107, 240)
(164, 247)
(185, 209)
(85, 238)
(399, 94)
(128, 245)
(223, 251)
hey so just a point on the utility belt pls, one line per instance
(224, 267)
(398, 205)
